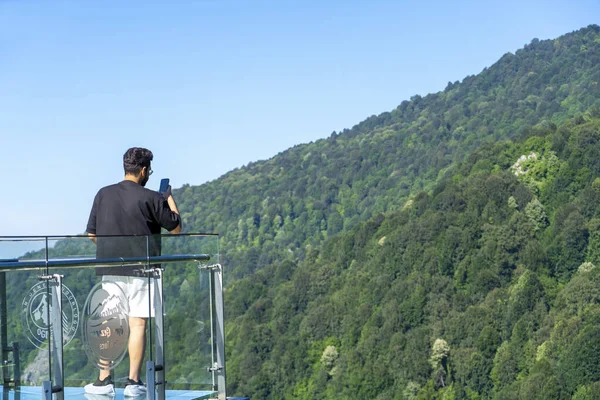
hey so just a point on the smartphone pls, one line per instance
(164, 185)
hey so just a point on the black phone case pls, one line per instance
(164, 185)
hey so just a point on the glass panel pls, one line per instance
(22, 248)
(28, 306)
(95, 308)
(192, 244)
(95, 312)
(25, 312)
(188, 342)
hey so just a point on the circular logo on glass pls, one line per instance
(106, 325)
(37, 306)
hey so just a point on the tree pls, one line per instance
(534, 210)
(438, 360)
(581, 361)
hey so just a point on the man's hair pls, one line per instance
(135, 159)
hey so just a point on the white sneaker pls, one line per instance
(134, 388)
(105, 387)
(90, 396)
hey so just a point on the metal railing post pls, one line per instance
(220, 331)
(4, 337)
(56, 339)
(155, 369)
(159, 310)
(217, 328)
(8, 382)
(16, 364)
(47, 390)
(4, 330)
(150, 380)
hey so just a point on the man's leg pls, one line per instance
(113, 281)
(104, 373)
(137, 346)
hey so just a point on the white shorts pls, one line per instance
(136, 291)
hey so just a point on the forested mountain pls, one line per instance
(273, 209)
(446, 249)
(487, 287)
(348, 258)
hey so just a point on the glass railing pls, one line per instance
(102, 304)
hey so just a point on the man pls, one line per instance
(127, 208)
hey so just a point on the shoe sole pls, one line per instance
(137, 392)
(109, 392)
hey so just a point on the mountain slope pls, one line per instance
(271, 210)
(485, 288)
(276, 215)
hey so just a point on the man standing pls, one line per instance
(127, 208)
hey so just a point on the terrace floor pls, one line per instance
(35, 393)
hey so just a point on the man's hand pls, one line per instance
(167, 193)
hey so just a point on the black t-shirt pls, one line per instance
(127, 208)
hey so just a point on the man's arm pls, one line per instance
(91, 225)
(167, 213)
(173, 207)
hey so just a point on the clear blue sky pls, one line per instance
(209, 86)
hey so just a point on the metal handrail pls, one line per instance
(84, 236)
(28, 265)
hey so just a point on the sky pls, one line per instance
(210, 86)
